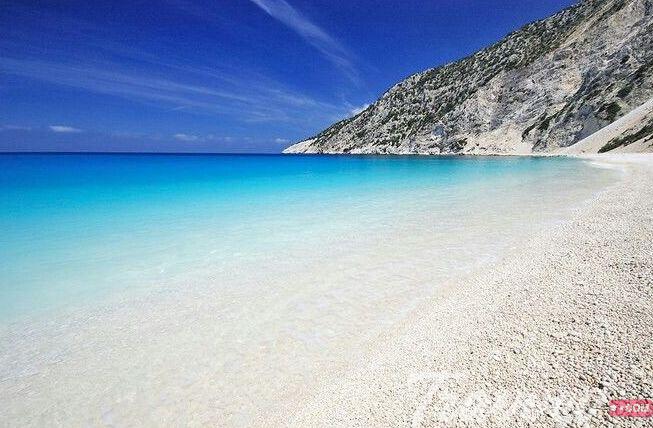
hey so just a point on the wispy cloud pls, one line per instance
(281, 140)
(313, 34)
(61, 50)
(354, 111)
(62, 129)
(249, 98)
(205, 138)
(186, 137)
(15, 128)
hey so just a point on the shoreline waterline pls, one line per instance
(540, 338)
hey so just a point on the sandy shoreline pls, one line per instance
(547, 337)
(515, 333)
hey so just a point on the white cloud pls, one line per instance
(282, 11)
(281, 140)
(358, 109)
(186, 137)
(15, 128)
(64, 129)
(249, 97)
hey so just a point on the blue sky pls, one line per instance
(220, 76)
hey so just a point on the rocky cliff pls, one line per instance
(540, 89)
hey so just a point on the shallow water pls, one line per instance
(214, 288)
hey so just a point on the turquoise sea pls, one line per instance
(80, 227)
(216, 288)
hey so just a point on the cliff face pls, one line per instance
(542, 88)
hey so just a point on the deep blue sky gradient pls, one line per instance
(220, 76)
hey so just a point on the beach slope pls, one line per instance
(546, 337)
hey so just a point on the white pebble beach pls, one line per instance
(546, 337)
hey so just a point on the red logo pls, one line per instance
(632, 408)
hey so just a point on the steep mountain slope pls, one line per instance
(630, 133)
(542, 88)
